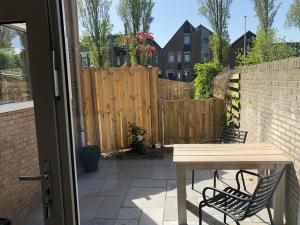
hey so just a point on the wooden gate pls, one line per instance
(190, 121)
(114, 97)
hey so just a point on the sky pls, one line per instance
(169, 15)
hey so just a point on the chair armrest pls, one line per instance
(241, 172)
(205, 198)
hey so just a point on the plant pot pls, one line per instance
(138, 147)
(89, 157)
(5, 221)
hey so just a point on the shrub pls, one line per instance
(205, 74)
(266, 47)
(136, 134)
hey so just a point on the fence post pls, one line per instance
(153, 78)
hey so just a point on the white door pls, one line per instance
(34, 76)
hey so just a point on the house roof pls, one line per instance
(248, 33)
(203, 27)
(187, 23)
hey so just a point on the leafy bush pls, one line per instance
(205, 74)
(9, 59)
(215, 46)
(136, 134)
(266, 47)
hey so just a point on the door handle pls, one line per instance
(47, 190)
(33, 178)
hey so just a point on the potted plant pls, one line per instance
(136, 134)
(89, 157)
(4, 221)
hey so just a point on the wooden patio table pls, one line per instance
(228, 157)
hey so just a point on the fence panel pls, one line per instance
(114, 97)
(172, 90)
(190, 121)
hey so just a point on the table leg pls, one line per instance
(181, 194)
(279, 200)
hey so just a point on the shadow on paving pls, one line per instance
(142, 192)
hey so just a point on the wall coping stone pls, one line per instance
(15, 106)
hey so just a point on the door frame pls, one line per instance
(47, 51)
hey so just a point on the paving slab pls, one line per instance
(117, 187)
(129, 213)
(145, 197)
(89, 188)
(152, 216)
(110, 208)
(149, 183)
(136, 172)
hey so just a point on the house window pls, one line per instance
(171, 57)
(187, 57)
(85, 61)
(205, 56)
(187, 75)
(118, 60)
(205, 40)
(187, 39)
(179, 57)
(178, 75)
(155, 59)
(170, 74)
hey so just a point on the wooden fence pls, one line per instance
(114, 97)
(190, 121)
(172, 90)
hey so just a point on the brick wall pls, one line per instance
(18, 156)
(270, 111)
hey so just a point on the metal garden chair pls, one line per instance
(239, 205)
(227, 135)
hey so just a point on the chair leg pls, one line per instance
(216, 176)
(237, 222)
(193, 177)
(270, 215)
(201, 205)
(243, 180)
(225, 218)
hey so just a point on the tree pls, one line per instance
(94, 15)
(266, 47)
(136, 15)
(217, 12)
(147, 18)
(6, 37)
(293, 16)
(266, 11)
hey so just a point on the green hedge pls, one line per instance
(205, 74)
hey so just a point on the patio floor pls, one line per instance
(143, 192)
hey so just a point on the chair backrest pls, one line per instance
(232, 135)
(263, 192)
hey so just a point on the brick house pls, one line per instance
(238, 45)
(189, 45)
